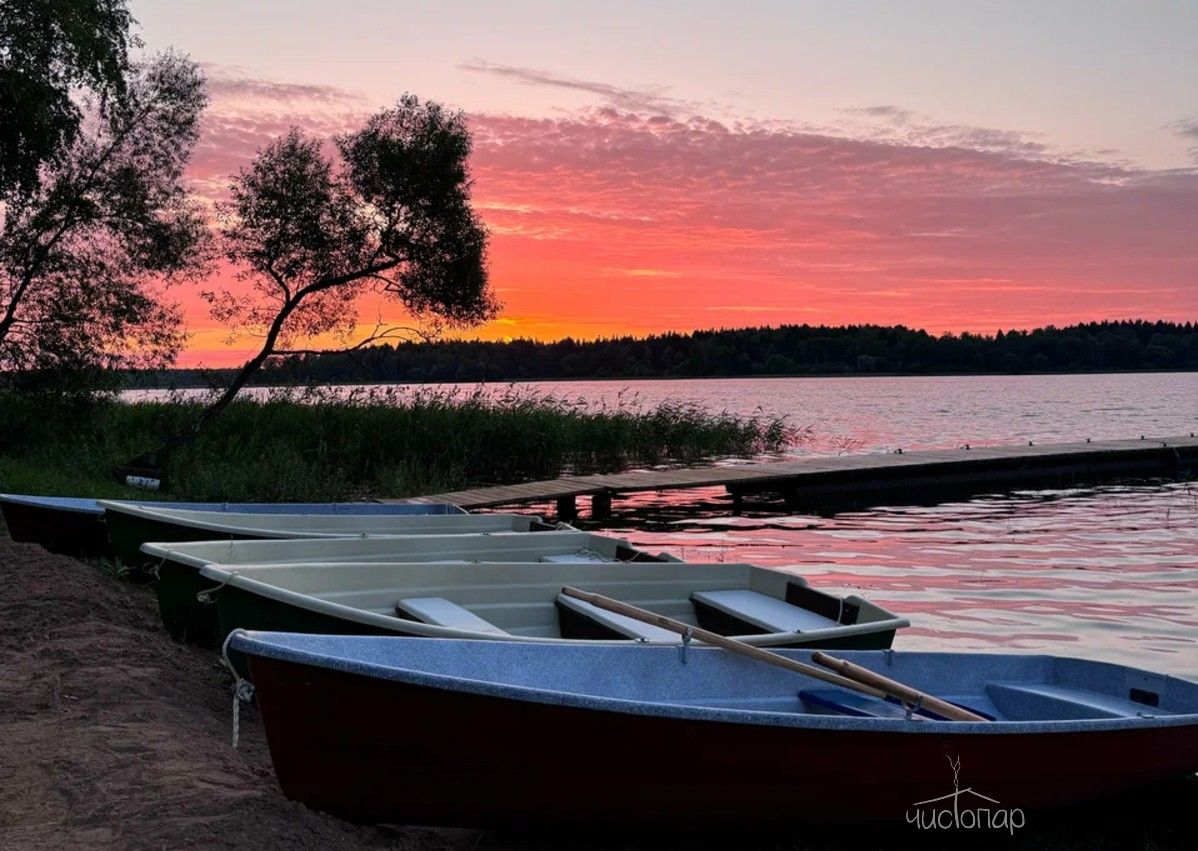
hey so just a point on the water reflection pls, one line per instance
(1108, 572)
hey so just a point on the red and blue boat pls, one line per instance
(502, 733)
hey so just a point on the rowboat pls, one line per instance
(74, 525)
(177, 565)
(522, 602)
(132, 524)
(666, 736)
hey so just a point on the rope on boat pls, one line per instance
(153, 570)
(208, 596)
(243, 690)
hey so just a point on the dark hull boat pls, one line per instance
(523, 601)
(188, 616)
(130, 525)
(60, 524)
(75, 525)
(501, 733)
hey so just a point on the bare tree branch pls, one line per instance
(378, 335)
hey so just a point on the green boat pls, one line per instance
(130, 525)
(521, 601)
(187, 618)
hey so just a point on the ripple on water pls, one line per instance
(1107, 573)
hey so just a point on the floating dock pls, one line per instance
(814, 482)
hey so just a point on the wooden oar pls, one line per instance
(877, 686)
(894, 688)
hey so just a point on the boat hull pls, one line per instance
(186, 617)
(80, 527)
(485, 760)
(58, 529)
(240, 609)
(127, 532)
(179, 580)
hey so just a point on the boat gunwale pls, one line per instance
(251, 644)
(169, 549)
(230, 576)
(176, 517)
(72, 504)
(94, 507)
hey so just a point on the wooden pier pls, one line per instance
(810, 483)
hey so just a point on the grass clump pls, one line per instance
(322, 445)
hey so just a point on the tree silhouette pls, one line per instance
(48, 52)
(311, 234)
(783, 350)
(84, 249)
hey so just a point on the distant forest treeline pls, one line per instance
(785, 350)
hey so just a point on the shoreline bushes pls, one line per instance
(319, 445)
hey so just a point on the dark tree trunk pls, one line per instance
(159, 459)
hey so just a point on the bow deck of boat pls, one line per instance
(811, 479)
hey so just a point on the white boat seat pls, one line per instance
(580, 557)
(621, 624)
(762, 611)
(438, 611)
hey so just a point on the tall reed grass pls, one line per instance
(319, 445)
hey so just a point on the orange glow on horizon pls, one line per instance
(606, 223)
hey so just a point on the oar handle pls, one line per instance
(894, 688)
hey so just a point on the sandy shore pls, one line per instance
(114, 736)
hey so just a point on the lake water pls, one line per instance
(1109, 572)
(908, 412)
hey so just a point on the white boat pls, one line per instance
(522, 601)
(563, 545)
(176, 565)
(74, 525)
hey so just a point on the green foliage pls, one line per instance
(314, 446)
(82, 253)
(49, 49)
(310, 235)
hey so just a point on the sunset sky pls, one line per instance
(645, 167)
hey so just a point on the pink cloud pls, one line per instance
(937, 226)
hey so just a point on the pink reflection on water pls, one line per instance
(1108, 573)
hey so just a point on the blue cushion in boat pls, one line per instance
(846, 702)
(763, 611)
(441, 612)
